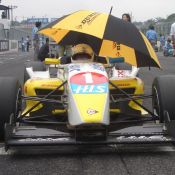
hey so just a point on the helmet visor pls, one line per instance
(81, 56)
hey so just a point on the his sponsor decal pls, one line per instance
(89, 89)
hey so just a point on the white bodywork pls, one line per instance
(74, 115)
(124, 74)
(37, 74)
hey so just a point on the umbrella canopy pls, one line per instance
(107, 35)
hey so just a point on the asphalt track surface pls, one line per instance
(113, 160)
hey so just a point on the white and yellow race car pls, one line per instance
(84, 104)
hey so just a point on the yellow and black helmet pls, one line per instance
(82, 53)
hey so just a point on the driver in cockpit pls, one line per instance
(81, 53)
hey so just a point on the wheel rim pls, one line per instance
(156, 103)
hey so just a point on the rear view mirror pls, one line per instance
(116, 60)
(54, 61)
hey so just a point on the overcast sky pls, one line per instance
(140, 9)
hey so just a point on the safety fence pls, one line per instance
(10, 40)
(17, 34)
(4, 45)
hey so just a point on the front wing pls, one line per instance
(40, 136)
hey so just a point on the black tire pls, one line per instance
(37, 66)
(10, 100)
(163, 91)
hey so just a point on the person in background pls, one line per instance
(162, 41)
(44, 51)
(172, 33)
(22, 45)
(65, 50)
(126, 17)
(3, 15)
(168, 48)
(35, 37)
(27, 43)
(152, 36)
(124, 66)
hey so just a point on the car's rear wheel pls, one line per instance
(10, 101)
(36, 65)
(163, 100)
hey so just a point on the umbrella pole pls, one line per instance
(111, 10)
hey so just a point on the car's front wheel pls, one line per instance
(163, 90)
(10, 101)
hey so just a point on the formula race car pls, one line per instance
(84, 104)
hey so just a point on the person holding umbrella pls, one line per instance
(124, 66)
(126, 17)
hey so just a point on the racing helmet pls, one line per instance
(82, 53)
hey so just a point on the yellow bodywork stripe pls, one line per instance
(87, 102)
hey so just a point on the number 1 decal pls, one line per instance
(88, 78)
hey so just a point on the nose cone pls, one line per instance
(89, 94)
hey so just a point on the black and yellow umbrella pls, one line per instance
(107, 35)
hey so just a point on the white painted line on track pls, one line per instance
(3, 152)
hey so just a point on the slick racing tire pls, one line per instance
(37, 66)
(10, 101)
(163, 90)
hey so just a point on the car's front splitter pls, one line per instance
(37, 136)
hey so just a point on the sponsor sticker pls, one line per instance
(74, 68)
(43, 139)
(92, 111)
(98, 67)
(88, 20)
(89, 89)
(143, 138)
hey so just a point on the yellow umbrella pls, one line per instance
(107, 35)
